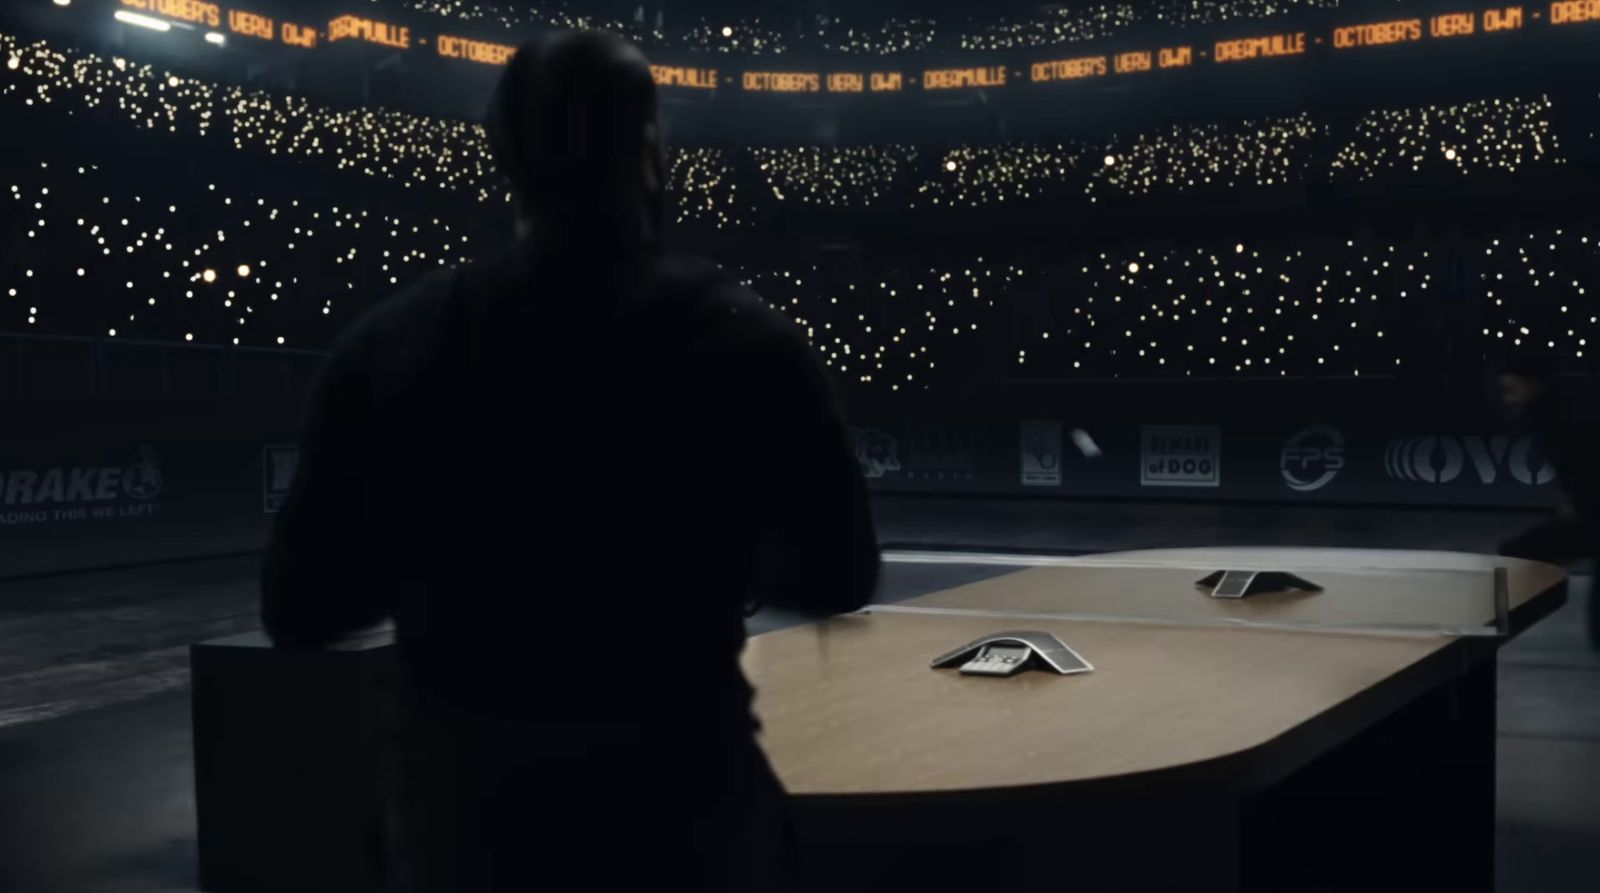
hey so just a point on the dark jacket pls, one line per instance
(566, 478)
(513, 460)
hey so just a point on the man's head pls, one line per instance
(574, 124)
(1524, 381)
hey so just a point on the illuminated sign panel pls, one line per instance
(1176, 57)
(183, 10)
(1465, 23)
(1453, 24)
(474, 50)
(1377, 34)
(298, 35)
(962, 78)
(1293, 44)
(249, 24)
(1507, 19)
(857, 82)
(846, 82)
(1068, 69)
(1138, 61)
(782, 81)
(1569, 12)
(369, 30)
(677, 76)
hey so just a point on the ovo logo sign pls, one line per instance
(1443, 459)
(1311, 458)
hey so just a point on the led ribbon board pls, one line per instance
(1083, 65)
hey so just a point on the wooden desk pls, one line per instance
(1194, 757)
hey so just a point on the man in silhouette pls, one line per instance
(624, 450)
(1532, 401)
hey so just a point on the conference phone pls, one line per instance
(1010, 652)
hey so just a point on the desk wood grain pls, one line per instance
(850, 706)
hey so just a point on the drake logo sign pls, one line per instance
(1180, 456)
(278, 465)
(76, 493)
(1443, 459)
(1311, 458)
(876, 452)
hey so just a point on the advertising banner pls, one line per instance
(94, 484)
(1322, 461)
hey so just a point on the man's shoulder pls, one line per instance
(403, 328)
(717, 303)
(403, 315)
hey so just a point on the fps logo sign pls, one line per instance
(877, 453)
(1443, 459)
(1180, 456)
(1311, 458)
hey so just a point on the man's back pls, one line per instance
(565, 482)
